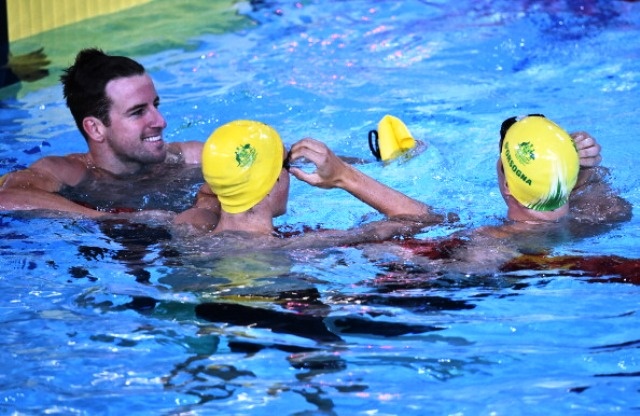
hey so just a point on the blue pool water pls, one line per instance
(100, 318)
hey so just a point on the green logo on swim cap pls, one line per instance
(245, 155)
(525, 153)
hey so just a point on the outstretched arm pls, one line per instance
(36, 187)
(14, 199)
(332, 172)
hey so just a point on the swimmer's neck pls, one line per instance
(116, 167)
(246, 222)
(521, 214)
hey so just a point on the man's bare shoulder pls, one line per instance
(72, 165)
(189, 153)
(74, 159)
(50, 173)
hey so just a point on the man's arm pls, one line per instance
(36, 187)
(205, 212)
(332, 172)
(592, 199)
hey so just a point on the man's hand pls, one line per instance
(330, 170)
(588, 149)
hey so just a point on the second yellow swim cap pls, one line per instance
(241, 162)
(391, 139)
(540, 162)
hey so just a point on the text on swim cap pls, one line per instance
(515, 168)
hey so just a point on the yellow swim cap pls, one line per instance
(540, 162)
(241, 162)
(393, 138)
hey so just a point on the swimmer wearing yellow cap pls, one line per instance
(241, 162)
(245, 164)
(538, 168)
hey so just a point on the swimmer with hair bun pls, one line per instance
(115, 106)
(246, 165)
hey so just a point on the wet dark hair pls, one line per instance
(84, 83)
(506, 125)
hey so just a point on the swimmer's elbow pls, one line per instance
(610, 210)
(621, 210)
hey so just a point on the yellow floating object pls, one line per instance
(393, 138)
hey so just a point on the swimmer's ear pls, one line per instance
(94, 128)
(504, 186)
